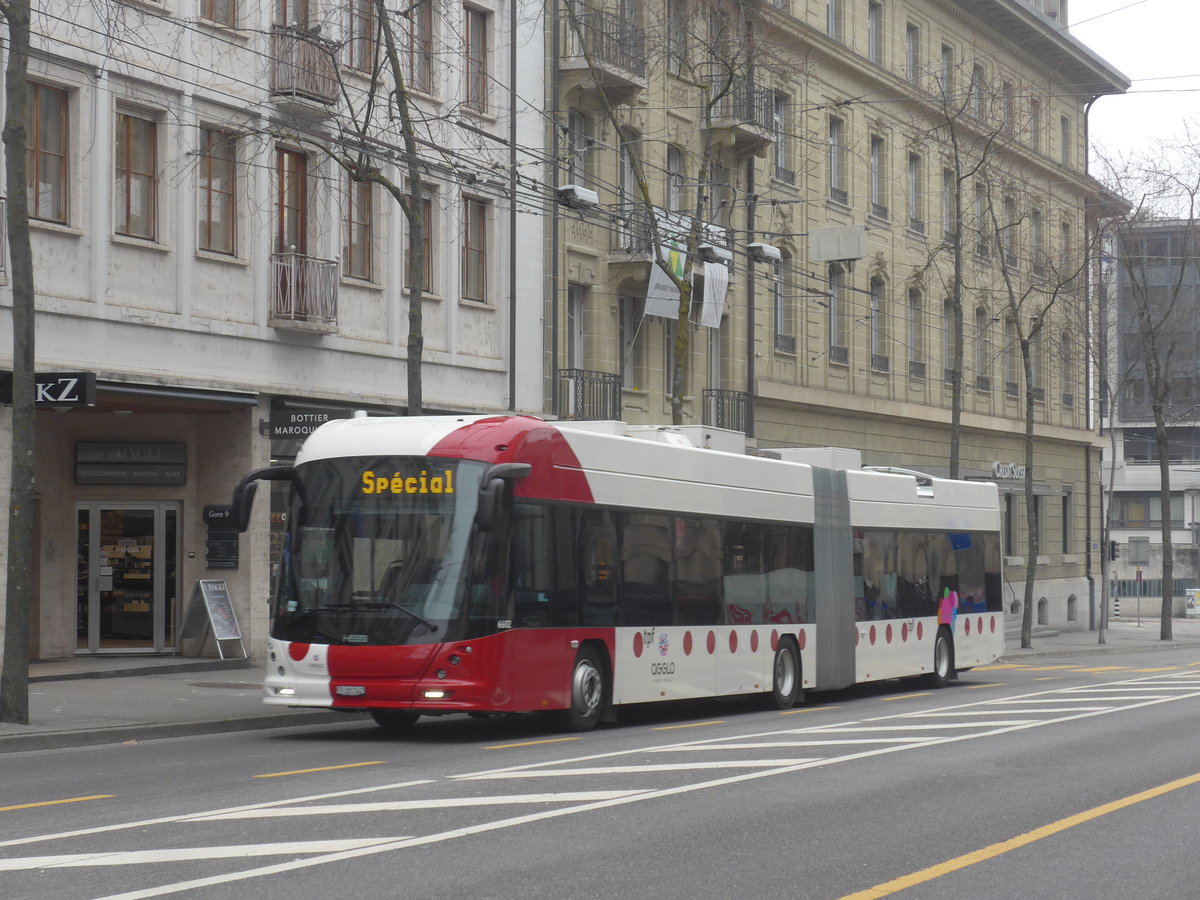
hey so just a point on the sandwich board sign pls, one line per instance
(210, 612)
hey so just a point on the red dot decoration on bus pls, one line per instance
(774, 640)
(687, 643)
(733, 642)
(297, 651)
(637, 644)
(872, 635)
(804, 638)
(754, 642)
(920, 631)
(904, 631)
(856, 637)
(979, 625)
(967, 625)
(712, 643)
(889, 633)
(993, 624)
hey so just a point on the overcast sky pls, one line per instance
(1153, 42)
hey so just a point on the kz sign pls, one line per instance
(55, 388)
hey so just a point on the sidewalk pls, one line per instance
(102, 700)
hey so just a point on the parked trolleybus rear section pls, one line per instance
(503, 564)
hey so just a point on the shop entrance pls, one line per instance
(128, 577)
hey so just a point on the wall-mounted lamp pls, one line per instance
(577, 197)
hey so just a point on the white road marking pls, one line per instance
(186, 854)
(435, 803)
(636, 770)
(757, 746)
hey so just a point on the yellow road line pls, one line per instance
(1053, 668)
(1160, 669)
(992, 668)
(888, 888)
(377, 762)
(904, 697)
(1104, 669)
(975, 687)
(690, 725)
(57, 802)
(531, 743)
(805, 709)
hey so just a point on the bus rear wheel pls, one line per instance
(785, 677)
(943, 660)
(588, 690)
(395, 721)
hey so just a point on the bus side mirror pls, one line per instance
(491, 491)
(243, 494)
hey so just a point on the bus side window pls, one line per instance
(645, 569)
(698, 582)
(599, 567)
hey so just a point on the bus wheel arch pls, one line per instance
(395, 721)
(590, 689)
(943, 659)
(786, 672)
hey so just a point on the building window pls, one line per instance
(633, 343)
(950, 354)
(356, 253)
(781, 124)
(291, 205)
(916, 194)
(1066, 522)
(912, 53)
(674, 179)
(949, 183)
(292, 13)
(875, 32)
(579, 151)
(677, 36)
(1064, 128)
(878, 177)
(475, 58)
(223, 12)
(475, 250)
(879, 327)
(1035, 124)
(983, 245)
(360, 35)
(1132, 510)
(1066, 364)
(983, 350)
(1012, 358)
(417, 39)
(217, 204)
(1011, 224)
(1007, 109)
(426, 249)
(833, 19)
(1066, 263)
(837, 161)
(839, 315)
(1036, 365)
(135, 151)
(916, 334)
(781, 307)
(947, 85)
(975, 92)
(577, 302)
(46, 160)
(1036, 260)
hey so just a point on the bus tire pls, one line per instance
(785, 676)
(588, 692)
(943, 660)
(395, 721)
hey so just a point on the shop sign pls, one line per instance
(1007, 471)
(55, 389)
(293, 424)
(99, 462)
(221, 544)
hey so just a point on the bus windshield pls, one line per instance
(376, 550)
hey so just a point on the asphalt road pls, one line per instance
(1072, 778)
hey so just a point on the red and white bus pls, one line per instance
(502, 564)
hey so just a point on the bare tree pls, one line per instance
(14, 679)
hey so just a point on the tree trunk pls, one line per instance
(1168, 547)
(14, 678)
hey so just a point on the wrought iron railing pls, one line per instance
(744, 102)
(584, 394)
(839, 195)
(785, 342)
(729, 409)
(302, 64)
(983, 383)
(878, 210)
(839, 354)
(608, 40)
(917, 225)
(880, 363)
(304, 289)
(916, 369)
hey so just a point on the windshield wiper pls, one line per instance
(389, 604)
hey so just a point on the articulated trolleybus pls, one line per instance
(503, 564)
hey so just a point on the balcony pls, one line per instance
(744, 113)
(633, 232)
(587, 395)
(615, 47)
(729, 409)
(303, 70)
(304, 293)
(916, 369)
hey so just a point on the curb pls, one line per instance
(138, 671)
(58, 740)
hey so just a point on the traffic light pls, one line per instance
(1113, 550)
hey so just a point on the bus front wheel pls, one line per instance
(395, 721)
(943, 660)
(785, 678)
(588, 690)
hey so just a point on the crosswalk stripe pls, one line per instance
(326, 809)
(182, 854)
